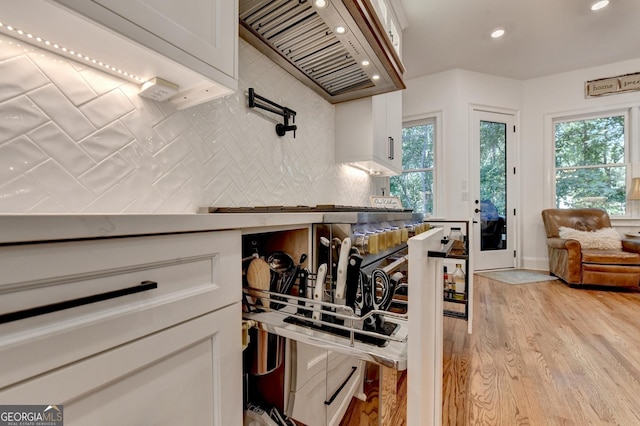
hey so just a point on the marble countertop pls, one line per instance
(25, 228)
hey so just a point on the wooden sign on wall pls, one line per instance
(612, 85)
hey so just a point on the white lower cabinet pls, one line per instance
(171, 354)
(323, 385)
(344, 381)
(187, 374)
(307, 403)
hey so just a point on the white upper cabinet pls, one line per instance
(196, 33)
(201, 35)
(387, 13)
(369, 130)
(369, 133)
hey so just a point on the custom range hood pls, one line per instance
(339, 48)
(131, 40)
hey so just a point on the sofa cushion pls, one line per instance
(611, 257)
(603, 239)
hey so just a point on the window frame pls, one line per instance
(628, 114)
(434, 119)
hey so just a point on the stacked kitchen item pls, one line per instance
(359, 284)
(361, 266)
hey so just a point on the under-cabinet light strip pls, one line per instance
(30, 38)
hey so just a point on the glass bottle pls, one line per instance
(459, 281)
(445, 282)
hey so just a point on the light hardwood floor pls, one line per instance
(540, 354)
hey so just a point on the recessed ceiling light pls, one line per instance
(364, 62)
(320, 4)
(375, 77)
(340, 29)
(600, 4)
(497, 33)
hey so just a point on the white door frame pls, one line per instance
(513, 193)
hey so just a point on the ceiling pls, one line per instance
(542, 37)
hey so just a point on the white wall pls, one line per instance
(453, 93)
(543, 98)
(73, 139)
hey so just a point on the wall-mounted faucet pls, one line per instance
(281, 129)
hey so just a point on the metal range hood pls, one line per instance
(303, 39)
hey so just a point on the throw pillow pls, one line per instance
(602, 239)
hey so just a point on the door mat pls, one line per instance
(517, 276)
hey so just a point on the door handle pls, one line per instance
(391, 148)
(74, 303)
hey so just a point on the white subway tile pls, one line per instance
(10, 47)
(198, 147)
(201, 174)
(172, 127)
(107, 108)
(147, 137)
(64, 76)
(61, 148)
(18, 156)
(148, 157)
(19, 195)
(106, 173)
(179, 202)
(172, 181)
(61, 185)
(17, 76)
(101, 82)
(115, 200)
(135, 208)
(49, 205)
(141, 160)
(18, 116)
(63, 112)
(106, 141)
(140, 185)
(171, 154)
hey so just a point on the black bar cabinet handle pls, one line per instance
(335, 394)
(73, 303)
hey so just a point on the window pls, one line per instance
(591, 161)
(415, 185)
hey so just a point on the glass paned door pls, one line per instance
(493, 211)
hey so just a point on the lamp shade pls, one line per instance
(634, 193)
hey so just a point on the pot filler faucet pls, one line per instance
(267, 105)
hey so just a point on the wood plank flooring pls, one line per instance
(540, 354)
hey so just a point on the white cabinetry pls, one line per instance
(324, 382)
(387, 14)
(201, 34)
(369, 133)
(164, 356)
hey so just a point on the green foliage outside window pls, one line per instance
(590, 164)
(493, 164)
(415, 185)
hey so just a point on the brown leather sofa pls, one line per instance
(576, 265)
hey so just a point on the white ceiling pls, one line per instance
(542, 36)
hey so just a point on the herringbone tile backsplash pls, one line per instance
(73, 139)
